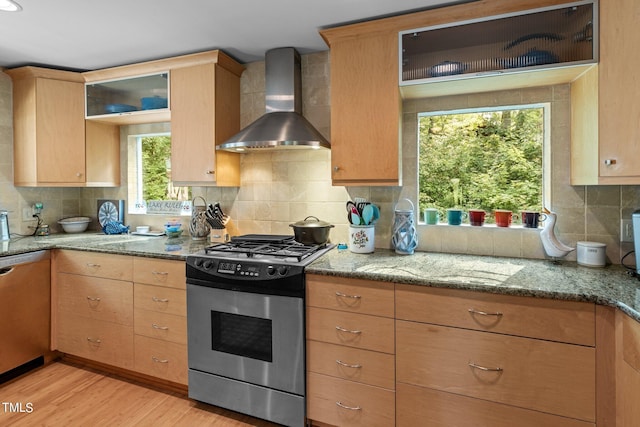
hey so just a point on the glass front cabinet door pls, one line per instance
(558, 36)
(140, 99)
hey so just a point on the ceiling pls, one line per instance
(87, 35)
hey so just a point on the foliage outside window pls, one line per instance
(487, 160)
(151, 174)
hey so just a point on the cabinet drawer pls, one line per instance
(161, 359)
(160, 299)
(96, 298)
(363, 366)
(362, 405)
(534, 374)
(159, 272)
(352, 295)
(415, 407)
(162, 326)
(95, 264)
(96, 340)
(354, 330)
(564, 321)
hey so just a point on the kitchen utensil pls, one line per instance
(534, 36)
(367, 214)
(531, 58)
(76, 224)
(153, 102)
(311, 231)
(446, 68)
(355, 218)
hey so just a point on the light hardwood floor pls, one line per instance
(64, 394)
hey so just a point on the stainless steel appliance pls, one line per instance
(4, 225)
(24, 312)
(245, 324)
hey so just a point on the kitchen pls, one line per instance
(585, 212)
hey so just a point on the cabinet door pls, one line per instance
(103, 154)
(205, 110)
(619, 123)
(365, 110)
(60, 131)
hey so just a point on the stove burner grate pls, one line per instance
(285, 249)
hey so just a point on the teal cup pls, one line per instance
(431, 216)
(455, 216)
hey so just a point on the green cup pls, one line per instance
(431, 216)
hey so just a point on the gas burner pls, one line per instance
(257, 246)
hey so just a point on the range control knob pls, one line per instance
(271, 270)
(207, 265)
(198, 262)
(282, 270)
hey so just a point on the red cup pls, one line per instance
(503, 217)
(476, 217)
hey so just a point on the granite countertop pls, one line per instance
(122, 244)
(611, 285)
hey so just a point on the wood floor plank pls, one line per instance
(64, 394)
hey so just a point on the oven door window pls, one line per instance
(245, 336)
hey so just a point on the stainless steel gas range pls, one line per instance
(246, 325)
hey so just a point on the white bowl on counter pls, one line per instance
(76, 224)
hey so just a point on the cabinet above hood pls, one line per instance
(282, 126)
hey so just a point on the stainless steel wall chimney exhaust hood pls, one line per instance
(283, 126)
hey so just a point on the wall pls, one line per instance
(279, 188)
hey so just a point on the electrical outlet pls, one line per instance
(626, 230)
(27, 214)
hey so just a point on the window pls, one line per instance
(482, 159)
(150, 177)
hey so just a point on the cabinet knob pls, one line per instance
(210, 172)
(78, 174)
(610, 162)
(336, 168)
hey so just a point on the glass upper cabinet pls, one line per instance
(557, 36)
(124, 99)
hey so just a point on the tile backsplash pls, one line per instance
(282, 187)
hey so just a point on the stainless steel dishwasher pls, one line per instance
(25, 311)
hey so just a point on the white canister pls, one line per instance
(592, 254)
(362, 238)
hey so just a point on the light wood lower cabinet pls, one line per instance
(103, 316)
(420, 406)
(541, 375)
(627, 364)
(350, 352)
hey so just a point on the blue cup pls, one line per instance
(455, 216)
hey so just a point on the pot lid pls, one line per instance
(315, 223)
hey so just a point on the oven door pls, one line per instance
(248, 337)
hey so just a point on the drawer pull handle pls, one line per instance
(484, 368)
(484, 313)
(340, 294)
(341, 329)
(156, 299)
(163, 328)
(351, 408)
(93, 341)
(5, 271)
(90, 264)
(348, 365)
(160, 273)
(96, 299)
(155, 359)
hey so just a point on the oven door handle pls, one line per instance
(341, 329)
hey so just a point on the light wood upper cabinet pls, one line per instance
(205, 111)
(365, 108)
(605, 136)
(48, 127)
(52, 146)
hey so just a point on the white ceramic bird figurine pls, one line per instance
(552, 246)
